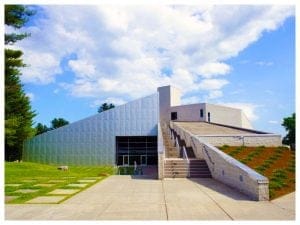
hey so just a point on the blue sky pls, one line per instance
(241, 56)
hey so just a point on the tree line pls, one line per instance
(59, 122)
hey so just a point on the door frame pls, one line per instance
(145, 157)
(124, 156)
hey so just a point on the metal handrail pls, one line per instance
(177, 145)
(185, 156)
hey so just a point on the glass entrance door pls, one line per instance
(143, 160)
(139, 149)
(125, 160)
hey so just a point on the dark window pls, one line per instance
(201, 113)
(208, 115)
(173, 115)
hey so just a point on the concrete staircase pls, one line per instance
(177, 167)
(171, 150)
(199, 168)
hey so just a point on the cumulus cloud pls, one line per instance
(41, 67)
(212, 84)
(121, 51)
(115, 101)
(82, 68)
(248, 108)
(191, 100)
(212, 68)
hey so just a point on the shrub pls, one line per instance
(224, 147)
(279, 173)
(276, 185)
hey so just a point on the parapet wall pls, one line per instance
(225, 168)
(268, 140)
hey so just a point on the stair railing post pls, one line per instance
(185, 156)
(177, 145)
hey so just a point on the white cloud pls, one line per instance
(212, 84)
(120, 51)
(191, 100)
(115, 101)
(82, 68)
(212, 68)
(248, 108)
(273, 121)
(42, 67)
(215, 94)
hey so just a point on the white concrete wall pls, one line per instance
(233, 173)
(246, 122)
(188, 112)
(268, 140)
(218, 114)
(224, 115)
(227, 169)
(160, 152)
(168, 96)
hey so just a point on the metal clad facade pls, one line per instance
(91, 141)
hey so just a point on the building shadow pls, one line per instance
(221, 188)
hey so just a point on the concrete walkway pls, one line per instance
(124, 198)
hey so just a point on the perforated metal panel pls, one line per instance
(91, 141)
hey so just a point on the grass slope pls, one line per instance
(29, 174)
(276, 163)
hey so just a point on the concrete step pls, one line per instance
(175, 176)
(186, 167)
(179, 168)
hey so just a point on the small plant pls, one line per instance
(236, 151)
(244, 161)
(260, 169)
(276, 185)
(279, 173)
(128, 170)
(224, 147)
(273, 157)
(269, 161)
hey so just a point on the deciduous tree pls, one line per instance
(289, 124)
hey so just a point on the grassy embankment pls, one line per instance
(276, 163)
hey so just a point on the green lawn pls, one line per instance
(30, 174)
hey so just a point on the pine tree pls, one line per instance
(105, 106)
(18, 112)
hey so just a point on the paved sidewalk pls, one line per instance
(125, 198)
